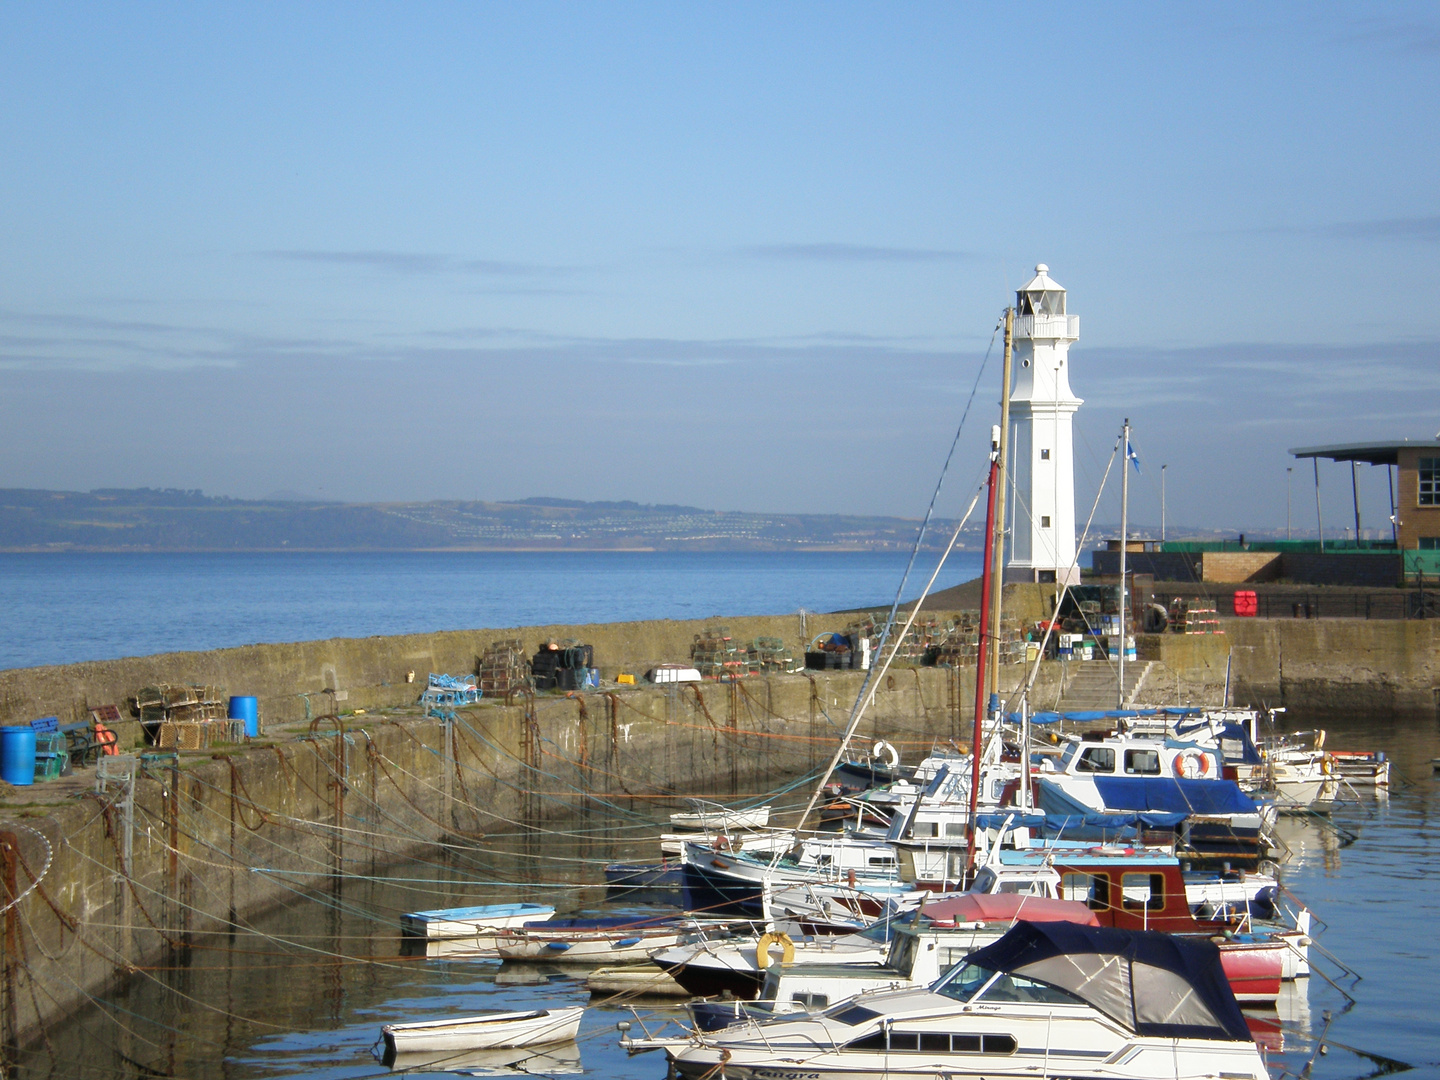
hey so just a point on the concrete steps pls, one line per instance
(1091, 684)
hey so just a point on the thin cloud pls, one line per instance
(1425, 229)
(414, 262)
(850, 253)
(1411, 37)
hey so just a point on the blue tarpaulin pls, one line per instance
(1173, 795)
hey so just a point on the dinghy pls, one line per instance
(459, 922)
(488, 1031)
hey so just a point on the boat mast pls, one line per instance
(982, 645)
(987, 657)
(997, 577)
(1124, 543)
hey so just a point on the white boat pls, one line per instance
(630, 979)
(1047, 999)
(737, 965)
(463, 922)
(550, 1059)
(590, 941)
(753, 842)
(488, 1031)
(718, 818)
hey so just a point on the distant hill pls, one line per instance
(148, 519)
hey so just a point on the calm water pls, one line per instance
(64, 608)
(305, 992)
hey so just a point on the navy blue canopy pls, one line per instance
(1173, 795)
(1081, 826)
(1153, 983)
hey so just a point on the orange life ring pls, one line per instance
(1192, 764)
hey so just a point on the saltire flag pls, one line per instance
(1134, 457)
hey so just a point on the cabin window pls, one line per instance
(1142, 762)
(1017, 988)
(936, 1042)
(1430, 481)
(811, 1001)
(1091, 889)
(869, 1042)
(887, 862)
(954, 828)
(923, 830)
(1022, 888)
(1142, 892)
(1097, 759)
(854, 1014)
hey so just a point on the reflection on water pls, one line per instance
(303, 991)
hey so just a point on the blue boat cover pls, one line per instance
(1071, 826)
(1153, 983)
(1173, 795)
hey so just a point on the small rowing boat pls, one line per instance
(718, 817)
(488, 1031)
(459, 922)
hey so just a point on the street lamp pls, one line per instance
(1288, 472)
(1162, 503)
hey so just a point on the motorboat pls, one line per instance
(1048, 998)
(736, 966)
(486, 1031)
(924, 945)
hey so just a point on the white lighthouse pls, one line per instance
(1041, 409)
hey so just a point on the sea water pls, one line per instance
(303, 992)
(66, 608)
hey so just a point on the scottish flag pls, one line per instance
(1133, 457)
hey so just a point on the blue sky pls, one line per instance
(739, 256)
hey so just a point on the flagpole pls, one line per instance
(1124, 544)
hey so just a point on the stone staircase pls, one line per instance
(1091, 684)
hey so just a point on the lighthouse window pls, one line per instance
(1044, 455)
(1044, 521)
(1430, 481)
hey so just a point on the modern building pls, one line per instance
(1042, 408)
(1414, 485)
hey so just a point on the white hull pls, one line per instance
(755, 818)
(491, 1031)
(615, 947)
(465, 922)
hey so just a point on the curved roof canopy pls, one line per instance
(1152, 983)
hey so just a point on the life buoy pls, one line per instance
(886, 753)
(775, 937)
(1192, 764)
(106, 739)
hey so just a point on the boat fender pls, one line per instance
(1326, 765)
(558, 946)
(762, 949)
(625, 943)
(886, 753)
(1192, 764)
(1320, 739)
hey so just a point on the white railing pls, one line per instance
(1047, 326)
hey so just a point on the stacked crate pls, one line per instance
(718, 656)
(768, 655)
(1189, 616)
(504, 668)
(183, 717)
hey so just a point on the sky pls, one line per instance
(741, 256)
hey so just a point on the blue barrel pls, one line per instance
(17, 755)
(247, 709)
